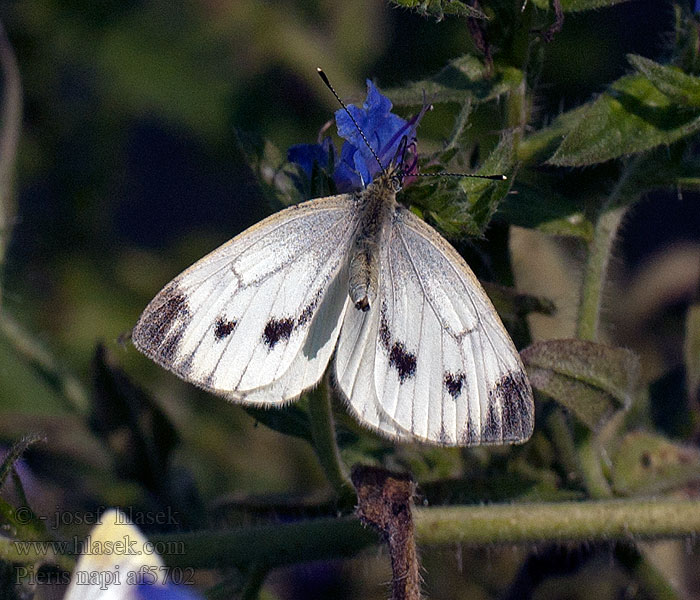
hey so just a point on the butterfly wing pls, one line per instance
(258, 318)
(435, 363)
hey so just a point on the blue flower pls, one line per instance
(305, 155)
(356, 166)
(165, 592)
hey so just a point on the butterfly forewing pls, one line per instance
(240, 319)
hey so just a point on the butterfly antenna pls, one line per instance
(446, 174)
(323, 76)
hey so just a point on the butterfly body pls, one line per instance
(376, 208)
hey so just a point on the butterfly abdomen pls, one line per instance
(377, 205)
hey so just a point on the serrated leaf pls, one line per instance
(647, 463)
(630, 117)
(591, 380)
(691, 350)
(669, 80)
(577, 5)
(463, 78)
(440, 8)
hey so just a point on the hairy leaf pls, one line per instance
(440, 8)
(578, 5)
(647, 463)
(592, 380)
(630, 117)
(536, 203)
(463, 78)
(670, 80)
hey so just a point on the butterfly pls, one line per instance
(419, 353)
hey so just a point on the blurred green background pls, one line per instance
(128, 170)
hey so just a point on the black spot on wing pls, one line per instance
(308, 310)
(276, 330)
(184, 367)
(161, 327)
(469, 436)
(491, 432)
(513, 393)
(443, 439)
(453, 384)
(404, 362)
(223, 328)
(399, 358)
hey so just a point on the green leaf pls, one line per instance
(10, 126)
(669, 80)
(131, 423)
(462, 79)
(674, 167)
(591, 380)
(631, 116)
(647, 463)
(15, 453)
(577, 5)
(512, 305)
(485, 195)
(288, 420)
(691, 351)
(440, 8)
(462, 206)
(536, 204)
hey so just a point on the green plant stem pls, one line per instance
(256, 579)
(68, 386)
(286, 543)
(649, 577)
(325, 444)
(11, 119)
(594, 479)
(594, 275)
(563, 441)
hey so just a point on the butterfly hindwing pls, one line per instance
(442, 369)
(238, 322)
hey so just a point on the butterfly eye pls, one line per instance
(396, 183)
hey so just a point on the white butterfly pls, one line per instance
(420, 353)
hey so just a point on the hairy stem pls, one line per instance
(287, 543)
(325, 444)
(595, 273)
